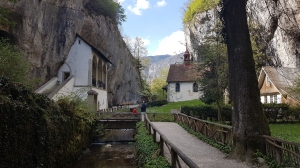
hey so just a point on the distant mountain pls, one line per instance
(161, 62)
(157, 58)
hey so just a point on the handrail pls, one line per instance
(283, 151)
(175, 152)
(205, 121)
(219, 133)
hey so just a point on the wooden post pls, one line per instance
(173, 158)
(161, 145)
(154, 135)
(278, 152)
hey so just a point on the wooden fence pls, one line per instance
(283, 151)
(220, 133)
(176, 153)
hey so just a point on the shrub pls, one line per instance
(12, 63)
(157, 103)
(146, 148)
(36, 132)
(207, 111)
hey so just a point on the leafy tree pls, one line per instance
(158, 83)
(248, 120)
(12, 63)
(108, 8)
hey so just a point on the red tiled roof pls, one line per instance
(182, 73)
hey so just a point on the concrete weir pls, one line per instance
(119, 124)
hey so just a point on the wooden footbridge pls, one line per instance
(185, 150)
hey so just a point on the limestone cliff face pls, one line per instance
(279, 28)
(46, 30)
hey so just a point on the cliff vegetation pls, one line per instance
(197, 7)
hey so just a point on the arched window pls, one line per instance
(195, 87)
(177, 89)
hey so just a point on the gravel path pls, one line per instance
(204, 155)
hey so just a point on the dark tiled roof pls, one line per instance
(182, 73)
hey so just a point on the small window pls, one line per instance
(266, 99)
(271, 99)
(195, 87)
(177, 89)
(66, 75)
(267, 81)
(275, 99)
(79, 41)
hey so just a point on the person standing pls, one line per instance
(134, 112)
(143, 110)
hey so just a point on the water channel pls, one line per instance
(115, 150)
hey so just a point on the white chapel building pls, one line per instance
(182, 85)
(83, 73)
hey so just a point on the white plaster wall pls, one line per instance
(78, 59)
(186, 92)
(47, 86)
(102, 98)
(63, 68)
(65, 90)
(78, 64)
(102, 95)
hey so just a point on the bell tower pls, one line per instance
(187, 57)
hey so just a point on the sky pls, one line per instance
(157, 22)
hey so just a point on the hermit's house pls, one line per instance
(274, 84)
(83, 73)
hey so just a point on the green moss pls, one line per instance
(198, 6)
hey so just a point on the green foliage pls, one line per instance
(281, 113)
(207, 111)
(158, 83)
(198, 6)
(108, 8)
(12, 63)
(288, 132)
(4, 16)
(157, 103)
(211, 142)
(37, 132)
(174, 105)
(145, 91)
(214, 79)
(146, 148)
(270, 162)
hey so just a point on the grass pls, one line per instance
(288, 132)
(173, 105)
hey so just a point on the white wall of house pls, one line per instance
(78, 63)
(65, 90)
(274, 98)
(186, 92)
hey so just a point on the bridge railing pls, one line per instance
(176, 153)
(283, 151)
(278, 149)
(220, 133)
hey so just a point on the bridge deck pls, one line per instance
(204, 155)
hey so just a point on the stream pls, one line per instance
(115, 150)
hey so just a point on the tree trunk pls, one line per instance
(248, 120)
